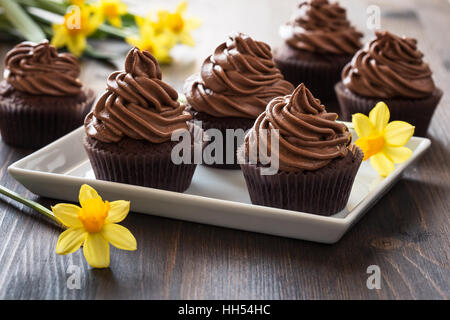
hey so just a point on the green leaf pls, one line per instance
(22, 21)
(47, 5)
(52, 6)
(128, 20)
(4, 22)
(98, 34)
(103, 57)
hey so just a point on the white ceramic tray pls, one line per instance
(217, 197)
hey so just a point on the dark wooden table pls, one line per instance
(406, 233)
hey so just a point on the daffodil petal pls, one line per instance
(95, 19)
(382, 164)
(139, 20)
(181, 7)
(115, 21)
(77, 44)
(122, 8)
(379, 116)
(68, 214)
(119, 236)
(70, 240)
(162, 55)
(397, 154)
(362, 125)
(162, 16)
(397, 133)
(118, 211)
(96, 250)
(134, 41)
(192, 24)
(186, 38)
(59, 35)
(77, 2)
(86, 193)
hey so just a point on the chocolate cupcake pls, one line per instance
(319, 42)
(316, 159)
(129, 131)
(41, 97)
(391, 69)
(232, 89)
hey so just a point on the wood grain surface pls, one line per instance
(406, 233)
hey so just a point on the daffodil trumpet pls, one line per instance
(382, 142)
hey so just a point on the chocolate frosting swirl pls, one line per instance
(137, 104)
(238, 80)
(38, 69)
(320, 26)
(388, 67)
(309, 136)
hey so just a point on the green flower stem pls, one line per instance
(31, 204)
(113, 31)
(21, 21)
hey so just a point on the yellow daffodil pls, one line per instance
(177, 24)
(382, 141)
(112, 11)
(93, 225)
(158, 45)
(79, 23)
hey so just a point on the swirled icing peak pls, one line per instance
(387, 67)
(321, 26)
(38, 69)
(309, 136)
(238, 80)
(137, 104)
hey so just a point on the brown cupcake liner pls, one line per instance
(33, 122)
(323, 192)
(153, 169)
(319, 77)
(222, 124)
(417, 112)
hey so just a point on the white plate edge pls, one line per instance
(15, 170)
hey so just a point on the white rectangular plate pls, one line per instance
(217, 197)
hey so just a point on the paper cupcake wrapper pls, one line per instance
(319, 78)
(222, 124)
(324, 191)
(417, 112)
(34, 122)
(151, 169)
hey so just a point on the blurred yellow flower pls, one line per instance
(382, 141)
(112, 11)
(94, 226)
(79, 23)
(160, 35)
(77, 2)
(177, 24)
(158, 44)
